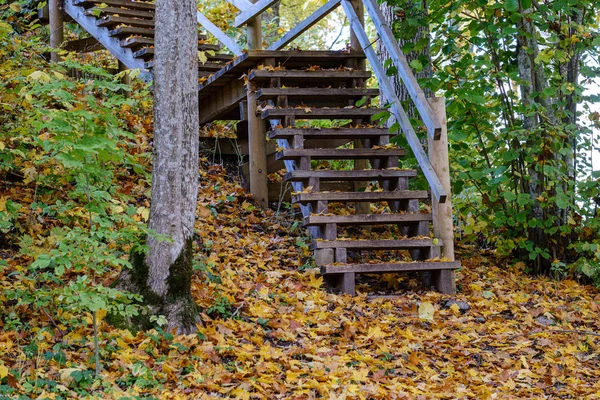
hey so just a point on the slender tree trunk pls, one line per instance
(408, 35)
(164, 275)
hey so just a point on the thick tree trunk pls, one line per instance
(163, 276)
(417, 36)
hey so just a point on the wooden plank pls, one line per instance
(308, 75)
(122, 12)
(365, 175)
(443, 227)
(110, 43)
(359, 196)
(315, 93)
(339, 154)
(372, 244)
(306, 24)
(411, 137)
(389, 267)
(111, 20)
(55, 18)
(434, 126)
(329, 133)
(255, 10)
(85, 45)
(241, 5)
(136, 42)
(321, 113)
(219, 34)
(123, 31)
(136, 5)
(366, 219)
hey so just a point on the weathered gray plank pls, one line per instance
(381, 244)
(219, 34)
(389, 267)
(321, 113)
(136, 5)
(111, 20)
(315, 93)
(299, 29)
(309, 75)
(359, 175)
(411, 137)
(339, 154)
(131, 30)
(360, 196)
(432, 123)
(257, 8)
(366, 219)
(329, 133)
(122, 12)
(241, 5)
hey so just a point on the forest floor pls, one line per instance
(271, 330)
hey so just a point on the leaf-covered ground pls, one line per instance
(271, 330)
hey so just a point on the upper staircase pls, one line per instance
(126, 28)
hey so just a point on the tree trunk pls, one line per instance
(417, 36)
(163, 276)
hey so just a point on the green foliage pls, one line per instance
(522, 174)
(67, 142)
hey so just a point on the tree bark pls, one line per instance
(407, 34)
(164, 275)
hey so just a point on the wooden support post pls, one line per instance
(442, 212)
(257, 149)
(355, 45)
(254, 32)
(257, 140)
(56, 27)
(126, 79)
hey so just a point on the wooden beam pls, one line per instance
(442, 213)
(432, 123)
(299, 29)
(56, 28)
(219, 34)
(112, 44)
(389, 267)
(437, 189)
(85, 45)
(257, 8)
(241, 5)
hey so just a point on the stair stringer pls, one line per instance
(111, 44)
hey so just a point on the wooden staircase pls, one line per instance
(356, 203)
(126, 28)
(288, 100)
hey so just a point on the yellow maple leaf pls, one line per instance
(3, 371)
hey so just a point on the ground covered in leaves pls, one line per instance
(271, 330)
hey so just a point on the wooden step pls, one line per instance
(366, 219)
(359, 175)
(124, 31)
(321, 113)
(371, 197)
(330, 133)
(397, 244)
(110, 21)
(339, 154)
(390, 267)
(313, 93)
(121, 12)
(135, 5)
(309, 78)
(137, 42)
